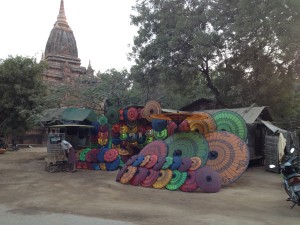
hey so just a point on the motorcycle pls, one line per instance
(289, 168)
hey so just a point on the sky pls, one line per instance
(101, 28)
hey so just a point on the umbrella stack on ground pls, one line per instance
(204, 152)
(175, 151)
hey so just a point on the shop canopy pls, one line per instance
(60, 116)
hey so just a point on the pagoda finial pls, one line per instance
(61, 18)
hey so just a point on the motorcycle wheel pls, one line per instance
(287, 190)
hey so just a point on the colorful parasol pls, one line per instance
(184, 126)
(103, 135)
(196, 163)
(157, 147)
(103, 128)
(128, 174)
(228, 155)
(123, 151)
(91, 156)
(120, 173)
(189, 143)
(138, 161)
(151, 107)
(132, 125)
(102, 120)
(111, 155)
(190, 183)
(113, 115)
(176, 163)
(100, 155)
(83, 154)
(203, 126)
(151, 178)
(140, 175)
(163, 179)
(168, 162)
(132, 114)
(171, 128)
(161, 135)
(152, 161)
(158, 124)
(146, 160)
(232, 122)
(177, 117)
(114, 165)
(159, 163)
(186, 164)
(208, 180)
(178, 179)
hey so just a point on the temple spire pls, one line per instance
(61, 18)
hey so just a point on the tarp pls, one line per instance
(76, 114)
(67, 115)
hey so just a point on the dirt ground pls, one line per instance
(26, 188)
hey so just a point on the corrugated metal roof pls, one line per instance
(250, 114)
(272, 127)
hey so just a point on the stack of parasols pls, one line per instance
(191, 152)
(175, 151)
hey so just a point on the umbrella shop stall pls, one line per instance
(70, 124)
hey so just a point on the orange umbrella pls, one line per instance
(178, 117)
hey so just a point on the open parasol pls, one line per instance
(190, 183)
(203, 126)
(177, 117)
(112, 115)
(163, 179)
(151, 178)
(208, 180)
(140, 175)
(190, 144)
(157, 147)
(228, 155)
(185, 164)
(146, 160)
(159, 163)
(111, 155)
(151, 107)
(128, 174)
(178, 179)
(230, 121)
(114, 165)
(152, 161)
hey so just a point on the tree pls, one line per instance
(21, 91)
(111, 86)
(262, 39)
(114, 87)
(242, 50)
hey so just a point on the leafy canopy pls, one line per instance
(21, 91)
(237, 51)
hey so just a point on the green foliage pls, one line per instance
(238, 51)
(21, 91)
